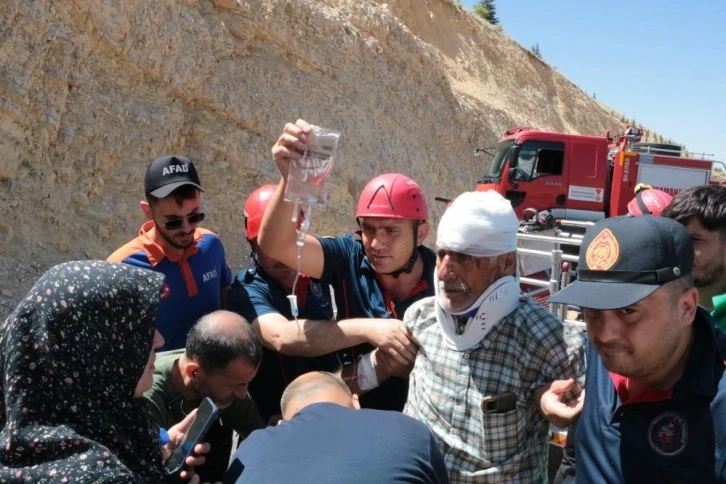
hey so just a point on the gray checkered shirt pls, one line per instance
(524, 350)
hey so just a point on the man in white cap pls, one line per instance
(487, 356)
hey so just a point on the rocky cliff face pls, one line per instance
(91, 92)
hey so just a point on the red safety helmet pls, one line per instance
(255, 208)
(649, 202)
(392, 195)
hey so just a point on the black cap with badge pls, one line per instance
(625, 259)
(167, 173)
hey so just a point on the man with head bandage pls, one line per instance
(487, 355)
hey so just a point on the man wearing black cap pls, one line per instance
(655, 405)
(170, 242)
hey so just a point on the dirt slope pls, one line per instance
(90, 92)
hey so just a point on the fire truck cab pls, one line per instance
(579, 177)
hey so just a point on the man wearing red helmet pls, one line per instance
(378, 274)
(259, 293)
(648, 201)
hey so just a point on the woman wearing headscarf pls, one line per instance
(75, 356)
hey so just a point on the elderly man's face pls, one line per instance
(463, 278)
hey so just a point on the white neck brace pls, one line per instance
(500, 299)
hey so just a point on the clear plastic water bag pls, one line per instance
(307, 179)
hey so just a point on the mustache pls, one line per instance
(459, 286)
(610, 346)
(376, 253)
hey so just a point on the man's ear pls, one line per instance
(423, 231)
(687, 305)
(146, 208)
(510, 263)
(506, 264)
(356, 401)
(192, 370)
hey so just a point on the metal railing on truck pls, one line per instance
(558, 279)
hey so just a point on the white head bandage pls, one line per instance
(480, 224)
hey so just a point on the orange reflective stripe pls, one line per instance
(188, 276)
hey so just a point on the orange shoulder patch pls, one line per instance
(603, 251)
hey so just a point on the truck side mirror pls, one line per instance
(512, 174)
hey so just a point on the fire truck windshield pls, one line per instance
(499, 160)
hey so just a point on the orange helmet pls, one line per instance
(255, 208)
(392, 195)
(649, 202)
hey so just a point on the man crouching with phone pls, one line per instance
(220, 360)
(487, 355)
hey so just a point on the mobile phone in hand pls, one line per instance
(207, 413)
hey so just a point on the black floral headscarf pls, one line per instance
(71, 355)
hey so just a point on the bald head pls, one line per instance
(223, 322)
(316, 387)
(220, 337)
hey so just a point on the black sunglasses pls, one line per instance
(177, 223)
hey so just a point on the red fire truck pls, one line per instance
(579, 177)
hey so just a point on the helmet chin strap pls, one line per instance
(408, 267)
(641, 204)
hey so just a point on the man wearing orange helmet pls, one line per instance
(379, 273)
(292, 348)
